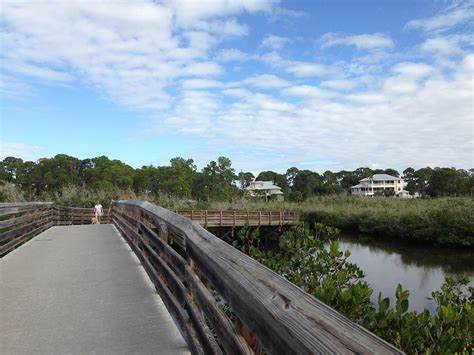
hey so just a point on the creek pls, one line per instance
(420, 269)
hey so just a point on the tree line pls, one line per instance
(216, 181)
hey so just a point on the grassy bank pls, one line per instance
(443, 221)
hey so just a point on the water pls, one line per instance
(419, 269)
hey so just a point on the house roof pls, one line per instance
(362, 184)
(267, 185)
(381, 177)
(403, 192)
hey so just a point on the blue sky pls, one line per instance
(313, 84)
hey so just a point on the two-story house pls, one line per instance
(378, 183)
(266, 189)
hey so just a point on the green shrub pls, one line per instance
(315, 263)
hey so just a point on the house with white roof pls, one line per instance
(378, 183)
(265, 188)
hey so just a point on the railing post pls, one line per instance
(205, 219)
(245, 332)
(163, 234)
(220, 218)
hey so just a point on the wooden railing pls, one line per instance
(19, 222)
(75, 215)
(198, 276)
(241, 218)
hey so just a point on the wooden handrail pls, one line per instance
(191, 268)
(22, 221)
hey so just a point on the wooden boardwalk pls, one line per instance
(240, 218)
(206, 218)
(69, 288)
(80, 289)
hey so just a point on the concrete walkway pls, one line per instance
(81, 289)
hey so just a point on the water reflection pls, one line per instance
(419, 269)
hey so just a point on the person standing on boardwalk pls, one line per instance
(99, 211)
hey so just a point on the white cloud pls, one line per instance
(417, 115)
(132, 51)
(452, 16)
(223, 28)
(266, 81)
(447, 46)
(12, 88)
(39, 72)
(340, 84)
(187, 12)
(19, 150)
(297, 68)
(237, 92)
(274, 42)
(194, 113)
(364, 41)
(232, 54)
(196, 84)
(308, 91)
(414, 70)
(201, 69)
(304, 69)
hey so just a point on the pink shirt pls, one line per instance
(98, 208)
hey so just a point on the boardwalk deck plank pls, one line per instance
(80, 289)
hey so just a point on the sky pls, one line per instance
(315, 84)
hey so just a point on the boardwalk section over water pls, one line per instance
(80, 289)
(233, 219)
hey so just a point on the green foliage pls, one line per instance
(217, 178)
(10, 193)
(215, 182)
(314, 262)
(246, 178)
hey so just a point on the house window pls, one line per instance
(399, 189)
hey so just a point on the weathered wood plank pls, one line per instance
(231, 342)
(176, 261)
(17, 207)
